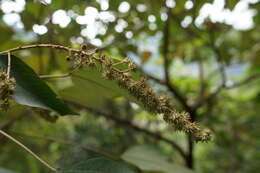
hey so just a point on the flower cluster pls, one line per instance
(7, 87)
(151, 101)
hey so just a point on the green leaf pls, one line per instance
(98, 165)
(30, 89)
(149, 159)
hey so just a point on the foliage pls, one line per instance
(149, 159)
(98, 165)
(207, 66)
(30, 90)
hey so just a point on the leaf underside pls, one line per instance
(30, 89)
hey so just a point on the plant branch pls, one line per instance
(133, 126)
(166, 40)
(190, 157)
(201, 78)
(218, 58)
(38, 46)
(244, 82)
(28, 150)
(235, 85)
(172, 88)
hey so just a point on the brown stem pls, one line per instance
(190, 154)
(166, 40)
(189, 158)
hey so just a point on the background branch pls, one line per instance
(165, 52)
(133, 126)
(201, 78)
(235, 85)
(84, 147)
(218, 58)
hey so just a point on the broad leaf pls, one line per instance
(30, 89)
(149, 159)
(98, 165)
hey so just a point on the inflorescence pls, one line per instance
(7, 87)
(139, 88)
(151, 101)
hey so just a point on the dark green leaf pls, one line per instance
(98, 165)
(30, 89)
(149, 159)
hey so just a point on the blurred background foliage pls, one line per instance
(210, 50)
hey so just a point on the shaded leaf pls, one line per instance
(149, 159)
(30, 89)
(98, 165)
